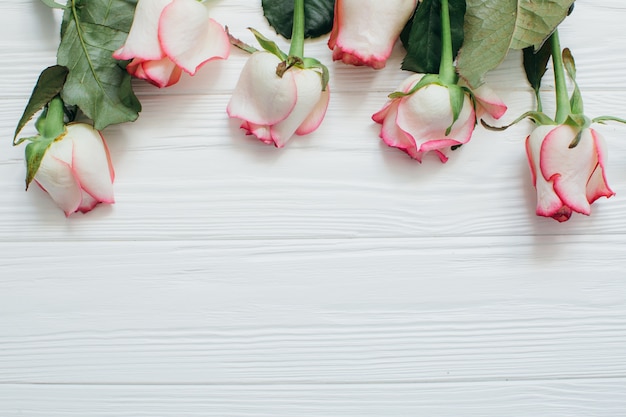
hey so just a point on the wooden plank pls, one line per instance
(599, 62)
(322, 311)
(198, 177)
(598, 398)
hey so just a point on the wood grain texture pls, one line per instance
(334, 277)
(598, 398)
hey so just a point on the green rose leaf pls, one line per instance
(49, 84)
(318, 16)
(536, 64)
(91, 31)
(423, 41)
(492, 27)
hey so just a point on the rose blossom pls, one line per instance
(364, 31)
(273, 108)
(76, 170)
(417, 123)
(168, 37)
(566, 179)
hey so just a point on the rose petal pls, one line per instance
(161, 73)
(309, 94)
(569, 168)
(142, 41)
(87, 202)
(56, 177)
(597, 186)
(364, 32)
(260, 96)
(190, 37)
(314, 119)
(488, 101)
(91, 162)
(548, 202)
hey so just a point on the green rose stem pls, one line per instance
(297, 33)
(563, 108)
(447, 73)
(51, 125)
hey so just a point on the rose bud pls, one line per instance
(422, 121)
(566, 178)
(168, 37)
(365, 31)
(76, 170)
(272, 107)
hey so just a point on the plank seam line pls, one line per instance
(330, 383)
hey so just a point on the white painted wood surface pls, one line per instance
(335, 277)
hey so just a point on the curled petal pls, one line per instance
(142, 41)
(487, 100)
(189, 36)
(391, 133)
(260, 96)
(315, 117)
(91, 162)
(309, 94)
(597, 185)
(548, 202)
(56, 176)
(161, 73)
(364, 32)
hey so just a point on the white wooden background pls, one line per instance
(334, 277)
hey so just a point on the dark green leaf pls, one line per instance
(424, 40)
(536, 64)
(318, 16)
(91, 31)
(53, 4)
(48, 85)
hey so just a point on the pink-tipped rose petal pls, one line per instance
(365, 31)
(162, 72)
(56, 177)
(260, 96)
(488, 101)
(190, 37)
(90, 158)
(597, 185)
(142, 41)
(309, 91)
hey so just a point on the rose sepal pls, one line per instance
(51, 127)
